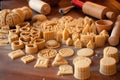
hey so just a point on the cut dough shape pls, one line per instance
(86, 60)
(82, 67)
(78, 43)
(100, 40)
(47, 53)
(41, 63)
(48, 35)
(111, 52)
(52, 44)
(16, 54)
(28, 58)
(65, 34)
(4, 41)
(59, 60)
(108, 66)
(69, 42)
(85, 52)
(66, 52)
(65, 69)
(90, 44)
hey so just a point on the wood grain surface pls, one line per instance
(17, 70)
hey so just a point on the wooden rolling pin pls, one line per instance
(40, 6)
(93, 9)
(115, 34)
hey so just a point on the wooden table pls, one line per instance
(17, 70)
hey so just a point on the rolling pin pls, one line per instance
(93, 9)
(115, 34)
(40, 6)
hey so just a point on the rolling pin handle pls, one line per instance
(111, 15)
(114, 37)
(77, 3)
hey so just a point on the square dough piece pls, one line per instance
(16, 54)
(4, 41)
(48, 35)
(6, 27)
(99, 41)
(41, 63)
(2, 36)
(28, 58)
(12, 38)
(65, 69)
